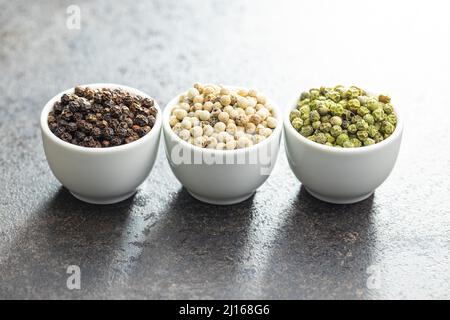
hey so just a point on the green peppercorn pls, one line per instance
(362, 135)
(363, 111)
(297, 123)
(369, 119)
(388, 108)
(369, 142)
(352, 128)
(304, 111)
(321, 138)
(356, 142)
(330, 138)
(336, 121)
(348, 144)
(353, 92)
(314, 93)
(372, 104)
(304, 95)
(372, 131)
(306, 131)
(323, 110)
(294, 114)
(343, 117)
(314, 116)
(325, 127)
(378, 137)
(353, 104)
(334, 95)
(337, 110)
(387, 127)
(304, 102)
(335, 131)
(392, 118)
(378, 114)
(341, 139)
(362, 125)
(325, 118)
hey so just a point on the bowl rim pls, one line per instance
(124, 147)
(397, 132)
(276, 132)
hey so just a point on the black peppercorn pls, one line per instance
(151, 121)
(74, 106)
(121, 132)
(89, 142)
(97, 97)
(53, 126)
(57, 107)
(91, 118)
(80, 135)
(78, 116)
(96, 107)
(108, 133)
(66, 114)
(147, 103)
(65, 99)
(101, 118)
(66, 137)
(86, 127)
(116, 141)
(59, 131)
(127, 100)
(85, 105)
(109, 104)
(96, 132)
(79, 91)
(116, 111)
(71, 127)
(153, 111)
(141, 120)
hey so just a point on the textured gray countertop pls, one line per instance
(281, 243)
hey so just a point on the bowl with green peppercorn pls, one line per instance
(342, 143)
(101, 140)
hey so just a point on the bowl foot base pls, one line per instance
(338, 200)
(221, 202)
(103, 200)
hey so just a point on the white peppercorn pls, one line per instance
(221, 118)
(197, 131)
(220, 126)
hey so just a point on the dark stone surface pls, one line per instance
(281, 243)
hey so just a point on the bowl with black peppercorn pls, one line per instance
(101, 140)
(342, 142)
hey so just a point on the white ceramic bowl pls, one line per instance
(221, 176)
(340, 175)
(101, 175)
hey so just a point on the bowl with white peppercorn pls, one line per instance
(101, 140)
(222, 142)
(342, 143)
